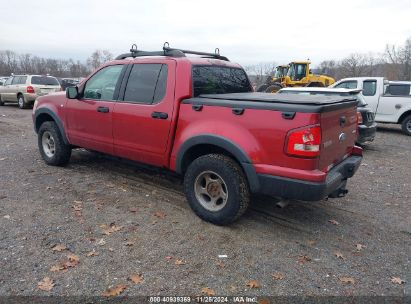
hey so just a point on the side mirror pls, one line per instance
(72, 92)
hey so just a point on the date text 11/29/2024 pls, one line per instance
(203, 299)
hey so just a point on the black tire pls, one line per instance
(235, 184)
(1, 102)
(21, 102)
(406, 125)
(62, 152)
(262, 88)
(273, 88)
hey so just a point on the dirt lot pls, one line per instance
(311, 248)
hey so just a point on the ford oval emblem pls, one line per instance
(342, 137)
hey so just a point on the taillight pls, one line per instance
(304, 142)
(359, 118)
(30, 89)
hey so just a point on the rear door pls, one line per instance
(143, 115)
(89, 119)
(13, 89)
(338, 135)
(395, 98)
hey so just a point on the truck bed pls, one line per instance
(276, 102)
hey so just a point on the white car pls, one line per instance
(390, 100)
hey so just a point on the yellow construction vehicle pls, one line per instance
(298, 75)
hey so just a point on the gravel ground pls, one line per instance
(303, 249)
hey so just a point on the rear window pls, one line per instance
(44, 80)
(219, 80)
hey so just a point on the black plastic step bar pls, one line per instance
(171, 52)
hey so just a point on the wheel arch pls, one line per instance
(44, 114)
(205, 144)
(404, 115)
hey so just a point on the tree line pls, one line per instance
(12, 62)
(394, 64)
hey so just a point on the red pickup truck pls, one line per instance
(198, 116)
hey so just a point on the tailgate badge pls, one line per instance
(342, 137)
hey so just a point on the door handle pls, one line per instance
(159, 115)
(103, 109)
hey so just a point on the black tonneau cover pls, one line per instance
(276, 102)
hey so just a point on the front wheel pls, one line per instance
(406, 125)
(216, 189)
(51, 145)
(274, 88)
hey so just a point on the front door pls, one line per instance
(89, 118)
(143, 115)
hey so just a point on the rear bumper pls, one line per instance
(366, 133)
(289, 188)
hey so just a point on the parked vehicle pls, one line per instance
(68, 82)
(198, 117)
(297, 74)
(367, 127)
(24, 89)
(3, 80)
(390, 100)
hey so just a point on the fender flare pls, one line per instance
(225, 144)
(56, 119)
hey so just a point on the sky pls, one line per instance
(247, 32)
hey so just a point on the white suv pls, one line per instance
(24, 89)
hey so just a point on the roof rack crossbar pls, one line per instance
(172, 52)
(210, 55)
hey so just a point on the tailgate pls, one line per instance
(339, 131)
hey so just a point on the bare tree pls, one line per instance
(259, 72)
(98, 57)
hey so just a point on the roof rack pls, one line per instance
(171, 52)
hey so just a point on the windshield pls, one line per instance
(44, 80)
(297, 71)
(219, 80)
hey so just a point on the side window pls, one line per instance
(369, 88)
(146, 83)
(398, 89)
(103, 84)
(22, 80)
(16, 80)
(8, 81)
(352, 84)
(161, 84)
(301, 71)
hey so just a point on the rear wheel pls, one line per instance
(51, 145)
(1, 101)
(21, 102)
(216, 189)
(406, 125)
